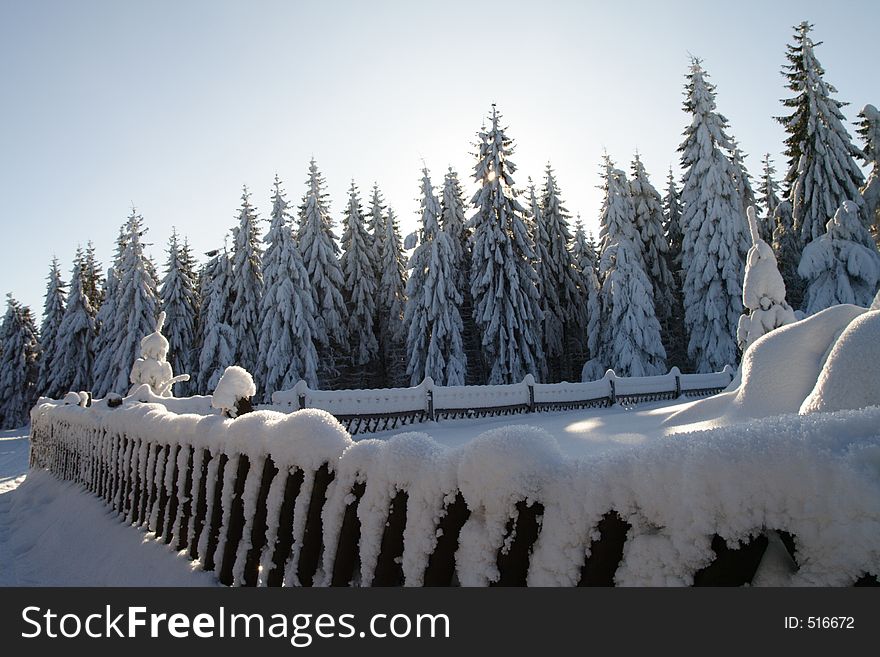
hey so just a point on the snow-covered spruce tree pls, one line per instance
(507, 308)
(676, 334)
(584, 256)
(768, 198)
(617, 217)
(103, 345)
(763, 291)
(359, 290)
(455, 225)
(288, 333)
(190, 267)
(672, 224)
(714, 234)
(434, 341)
(869, 129)
(71, 366)
(317, 243)
(842, 265)
(19, 364)
(561, 301)
(136, 306)
(390, 304)
(376, 217)
(822, 171)
(630, 344)
(53, 313)
(93, 279)
(630, 341)
(217, 339)
(649, 219)
(787, 248)
(179, 301)
(743, 177)
(247, 284)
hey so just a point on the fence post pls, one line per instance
(428, 384)
(300, 389)
(677, 373)
(612, 397)
(529, 380)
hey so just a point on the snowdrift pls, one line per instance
(826, 362)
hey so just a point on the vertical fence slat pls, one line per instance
(235, 523)
(389, 569)
(310, 553)
(440, 570)
(284, 541)
(347, 557)
(258, 526)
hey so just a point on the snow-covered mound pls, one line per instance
(851, 375)
(778, 371)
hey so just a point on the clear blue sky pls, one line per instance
(173, 106)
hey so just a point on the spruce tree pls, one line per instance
(617, 216)
(376, 228)
(103, 345)
(19, 364)
(217, 340)
(672, 224)
(503, 281)
(768, 191)
(714, 235)
(584, 256)
(822, 171)
(71, 366)
(317, 243)
(631, 344)
(179, 301)
(247, 285)
(434, 341)
(53, 313)
(557, 282)
(742, 176)
(288, 333)
(842, 265)
(455, 225)
(359, 289)
(630, 341)
(93, 280)
(649, 220)
(676, 335)
(787, 249)
(391, 302)
(135, 307)
(869, 129)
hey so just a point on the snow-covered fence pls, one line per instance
(369, 411)
(271, 498)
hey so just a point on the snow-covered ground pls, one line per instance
(581, 434)
(52, 533)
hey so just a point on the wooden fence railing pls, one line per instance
(301, 504)
(370, 411)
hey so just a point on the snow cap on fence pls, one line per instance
(235, 385)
